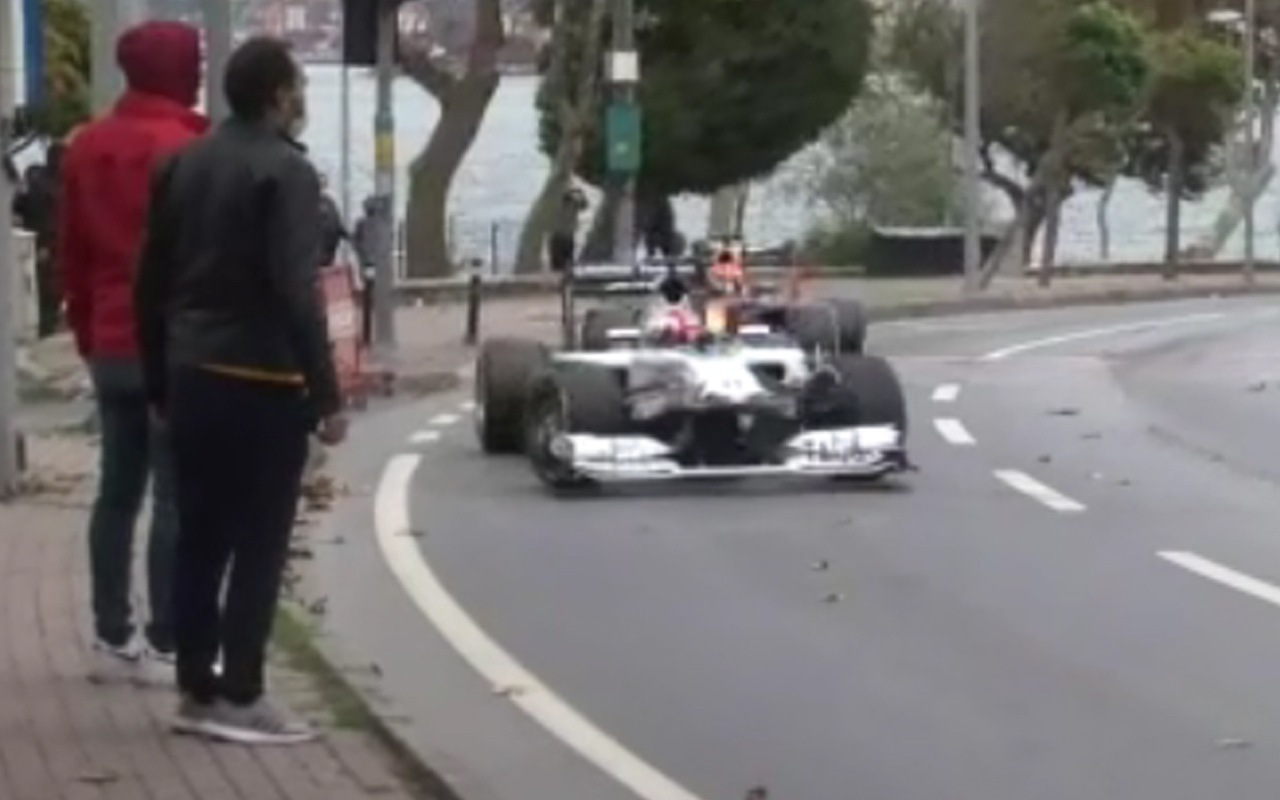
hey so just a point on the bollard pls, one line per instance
(474, 286)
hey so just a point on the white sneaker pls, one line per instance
(111, 664)
(156, 669)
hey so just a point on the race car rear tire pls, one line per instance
(833, 326)
(503, 370)
(572, 398)
(597, 323)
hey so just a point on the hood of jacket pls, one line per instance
(162, 58)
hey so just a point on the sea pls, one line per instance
(504, 170)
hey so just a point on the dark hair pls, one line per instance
(256, 72)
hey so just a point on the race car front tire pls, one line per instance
(571, 398)
(857, 390)
(503, 371)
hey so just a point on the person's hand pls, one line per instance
(333, 429)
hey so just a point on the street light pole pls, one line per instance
(8, 258)
(624, 74)
(217, 42)
(384, 126)
(972, 133)
(106, 80)
(1250, 144)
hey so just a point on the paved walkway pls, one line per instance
(62, 738)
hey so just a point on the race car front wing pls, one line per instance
(869, 451)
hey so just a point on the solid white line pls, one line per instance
(441, 420)
(946, 393)
(499, 668)
(1022, 482)
(424, 437)
(1226, 576)
(1094, 333)
(953, 431)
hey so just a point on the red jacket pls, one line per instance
(106, 177)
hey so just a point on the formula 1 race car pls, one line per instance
(683, 386)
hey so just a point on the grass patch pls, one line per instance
(295, 639)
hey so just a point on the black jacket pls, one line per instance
(228, 274)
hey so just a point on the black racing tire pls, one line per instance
(833, 326)
(597, 322)
(866, 391)
(571, 398)
(504, 368)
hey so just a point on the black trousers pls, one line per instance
(239, 450)
(560, 250)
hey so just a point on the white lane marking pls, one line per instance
(1261, 590)
(441, 420)
(497, 666)
(1045, 495)
(946, 393)
(424, 437)
(953, 431)
(1095, 333)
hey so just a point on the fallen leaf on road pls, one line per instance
(834, 597)
(757, 793)
(1233, 744)
(1126, 482)
(821, 565)
(319, 607)
(375, 669)
(1260, 386)
(1046, 459)
(1092, 436)
(414, 533)
(301, 552)
(99, 777)
(508, 691)
(1064, 412)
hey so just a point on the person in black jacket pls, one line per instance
(237, 363)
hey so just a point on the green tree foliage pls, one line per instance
(887, 161)
(730, 88)
(66, 101)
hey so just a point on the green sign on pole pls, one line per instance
(622, 137)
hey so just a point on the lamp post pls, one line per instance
(8, 262)
(1250, 144)
(972, 133)
(623, 126)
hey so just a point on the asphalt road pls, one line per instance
(1077, 597)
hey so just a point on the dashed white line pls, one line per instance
(1247, 584)
(441, 420)
(424, 437)
(1045, 495)
(946, 393)
(1094, 333)
(405, 559)
(954, 432)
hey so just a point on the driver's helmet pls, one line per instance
(673, 323)
(726, 272)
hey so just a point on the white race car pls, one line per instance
(670, 399)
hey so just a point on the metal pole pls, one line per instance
(8, 261)
(384, 335)
(217, 36)
(1250, 144)
(972, 133)
(345, 144)
(106, 80)
(624, 35)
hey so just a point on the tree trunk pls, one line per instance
(1104, 225)
(431, 174)
(463, 100)
(598, 246)
(572, 113)
(1053, 222)
(1173, 206)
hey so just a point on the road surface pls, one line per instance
(1077, 597)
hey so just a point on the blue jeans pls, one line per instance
(133, 450)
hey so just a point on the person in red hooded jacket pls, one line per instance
(106, 178)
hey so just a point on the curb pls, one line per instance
(306, 654)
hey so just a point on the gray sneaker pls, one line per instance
(259, 723)
(192, 716)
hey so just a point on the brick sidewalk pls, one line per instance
(62, 738)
